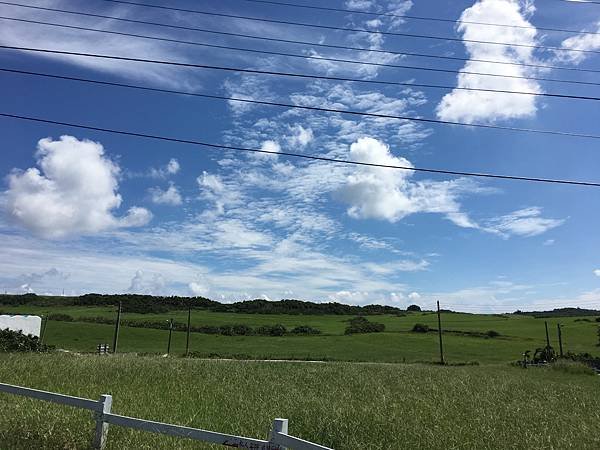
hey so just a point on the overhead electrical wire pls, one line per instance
(328, 27)
(409, 118)
(294, 106)
(413, 17)
(346, 29)
(295, 55)
(299, 42)
(296, 155)
(303, 75)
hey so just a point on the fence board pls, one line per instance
(69, 400)
(191, 433)
(296, 443)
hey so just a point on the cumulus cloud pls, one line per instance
(170, 196)
(524, 222)
(476, 106)
(597, 272)
(145, 283)
(74, 191)
(171, 168)
(389, 194)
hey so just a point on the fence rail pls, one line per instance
(279, 438)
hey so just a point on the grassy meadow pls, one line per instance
(397, 344)
(347, 406)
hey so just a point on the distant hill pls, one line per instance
(155, 304)
(560, 312)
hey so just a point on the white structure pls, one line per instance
(25, 324)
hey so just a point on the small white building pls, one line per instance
(25, 324)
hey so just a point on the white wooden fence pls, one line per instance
(279, 438)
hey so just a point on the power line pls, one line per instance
(283, 105)
(298, 155)
(295, 55)
(298, 42)
(347, 29)
(409, 118)
(328, 27)
(413, 17)
(307, 76)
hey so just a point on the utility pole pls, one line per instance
(560, 339)
(187, 341)
(547, 337)
(170, 332)
(117, 326)
(440, 334)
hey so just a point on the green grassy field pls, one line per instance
(396, 344)
(347, 406)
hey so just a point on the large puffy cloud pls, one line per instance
(389, 194)
(476, 106)
(74, 191)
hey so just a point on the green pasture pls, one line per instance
(396, 344)
(347, 406)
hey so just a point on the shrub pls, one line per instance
(420, 328)
(572, 367)
(492, 334)
(60, 317)
(271, 330)
(15, 341)
(305, 329)
(362, 325)
(414, 308)
(597, 319)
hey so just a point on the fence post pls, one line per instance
(101, 432)
(279, 426)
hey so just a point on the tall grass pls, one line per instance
(343, 405)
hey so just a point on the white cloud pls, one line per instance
(597, 272)
(301, 136)
(580, 42)
(268, 146)
(74, 193)
(145, 283)
(414, 296)
(549, 242)
(170, 196)
(28, 35)
(171, 168)
(477, 106)
(524, 222)
(388, 194)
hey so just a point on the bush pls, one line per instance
(414, 308)
(420, 328)
(305, 329)
(60, 317)
(15, 341)
(271, 330)
(492, 334)
(362, 325)
(572, 367)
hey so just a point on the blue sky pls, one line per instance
(87, 211)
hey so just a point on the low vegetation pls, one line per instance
(15, 341)
(362, 325)
(342, 405)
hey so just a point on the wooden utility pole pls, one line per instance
(187, 341)
(560, 339)
(170, 333)
(117, 326)
(440, 334)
